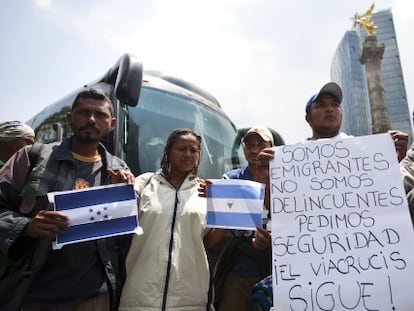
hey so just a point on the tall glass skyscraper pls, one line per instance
(348, 72)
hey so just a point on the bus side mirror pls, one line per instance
(126, 76)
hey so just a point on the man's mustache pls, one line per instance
(89, 126)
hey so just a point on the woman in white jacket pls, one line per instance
(167, 266)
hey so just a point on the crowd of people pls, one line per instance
(166, 267)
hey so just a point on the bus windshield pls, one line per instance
(158, 113)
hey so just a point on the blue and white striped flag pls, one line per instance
(96, 212)
(235, 204)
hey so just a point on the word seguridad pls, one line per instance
(332, 243)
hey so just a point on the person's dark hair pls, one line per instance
(93, 94)
(176, 134)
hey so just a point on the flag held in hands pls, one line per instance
(235, 204)
(96, 212)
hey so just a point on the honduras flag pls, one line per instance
(235, 204)
(96, 212)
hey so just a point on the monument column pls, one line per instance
(371, 57)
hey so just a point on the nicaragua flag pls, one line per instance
(96, 212)
(235, 204)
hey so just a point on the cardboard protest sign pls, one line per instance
(342, 236)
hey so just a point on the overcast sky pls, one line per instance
(261, 59)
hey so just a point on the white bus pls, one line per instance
(148, 107)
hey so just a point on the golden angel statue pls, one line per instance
(365, 21)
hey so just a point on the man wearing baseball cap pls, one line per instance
(324, 115)
(13, 136)
(324, 112)
(261, 131)
(253, 261)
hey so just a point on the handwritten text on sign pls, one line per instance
(342, 237)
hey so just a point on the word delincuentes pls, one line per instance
(336, 200)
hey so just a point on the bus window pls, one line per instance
(148, 108)
(159, 113)
(49, 132)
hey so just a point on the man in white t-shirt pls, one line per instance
(324, 116)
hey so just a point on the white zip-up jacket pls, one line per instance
(167, 266)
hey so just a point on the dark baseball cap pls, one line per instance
(330, 88)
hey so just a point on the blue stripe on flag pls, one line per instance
(94, 196)
(98, 229)
(234, 220)
(235, 191)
